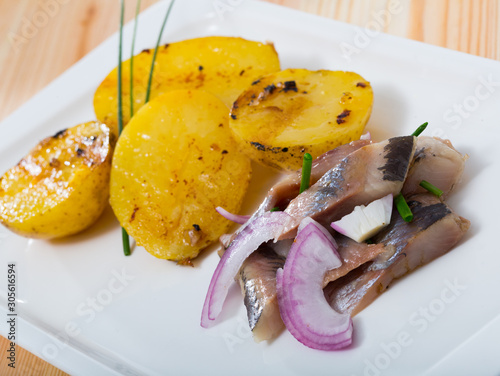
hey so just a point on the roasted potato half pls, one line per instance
(286, 114)
(225, 66)
(174, 163)
(62, 186)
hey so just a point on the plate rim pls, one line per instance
(76, 358)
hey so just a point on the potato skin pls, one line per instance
(174, 163)
(286, 114)
(223, 66)
(62, 186)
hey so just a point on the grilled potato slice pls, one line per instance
(286, 114)
(174, 163)
(62, 186)
(225, 66)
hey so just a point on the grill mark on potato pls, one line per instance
(341, 118)
(54, 162)
(276, 149)
(269, 89)
(60, 133)
(132, 217)
(290, 86)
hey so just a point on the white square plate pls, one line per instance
(89, 310)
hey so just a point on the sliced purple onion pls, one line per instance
(366, 136)
(241, 219)
(303, 306)
(366, 221)
(260, 230)
(324, 230)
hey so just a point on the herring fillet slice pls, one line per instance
(437, 162)
(353, 255)
(288, 188)
(257, 279)
(435, 229)
(370, 173)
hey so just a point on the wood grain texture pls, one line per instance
(42, 38)
(26, 363)
(57, 33)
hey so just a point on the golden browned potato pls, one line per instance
(174, 163)
(222, 65)
(62, 186)
(286, 114)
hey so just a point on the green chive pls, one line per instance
(156, 50)
(125, 242)
(125, 239)
(431, 188)
(403, 208)
(275, 209)
(369, 241)
(420, 129)
(137, 9)
(120, 105)
(306, 172)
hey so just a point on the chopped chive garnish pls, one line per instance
(137, 9)
(275, 209)
(369, 241)
(403, 208)
(420, 129)
(125, 242)
(431, 188)
(125, 239)
(120, 105)
(148, 91)
(306, 172)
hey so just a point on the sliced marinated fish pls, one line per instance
(370, 173)
(257, 280)
(437, 162)
(435, 229)
(353, 255)
(288, 188)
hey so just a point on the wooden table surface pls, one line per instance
(66, 30)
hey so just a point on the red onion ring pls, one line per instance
(366, 136)
(241, 219)
(303, 306)
(260, 230)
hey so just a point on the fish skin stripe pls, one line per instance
(398, 153)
